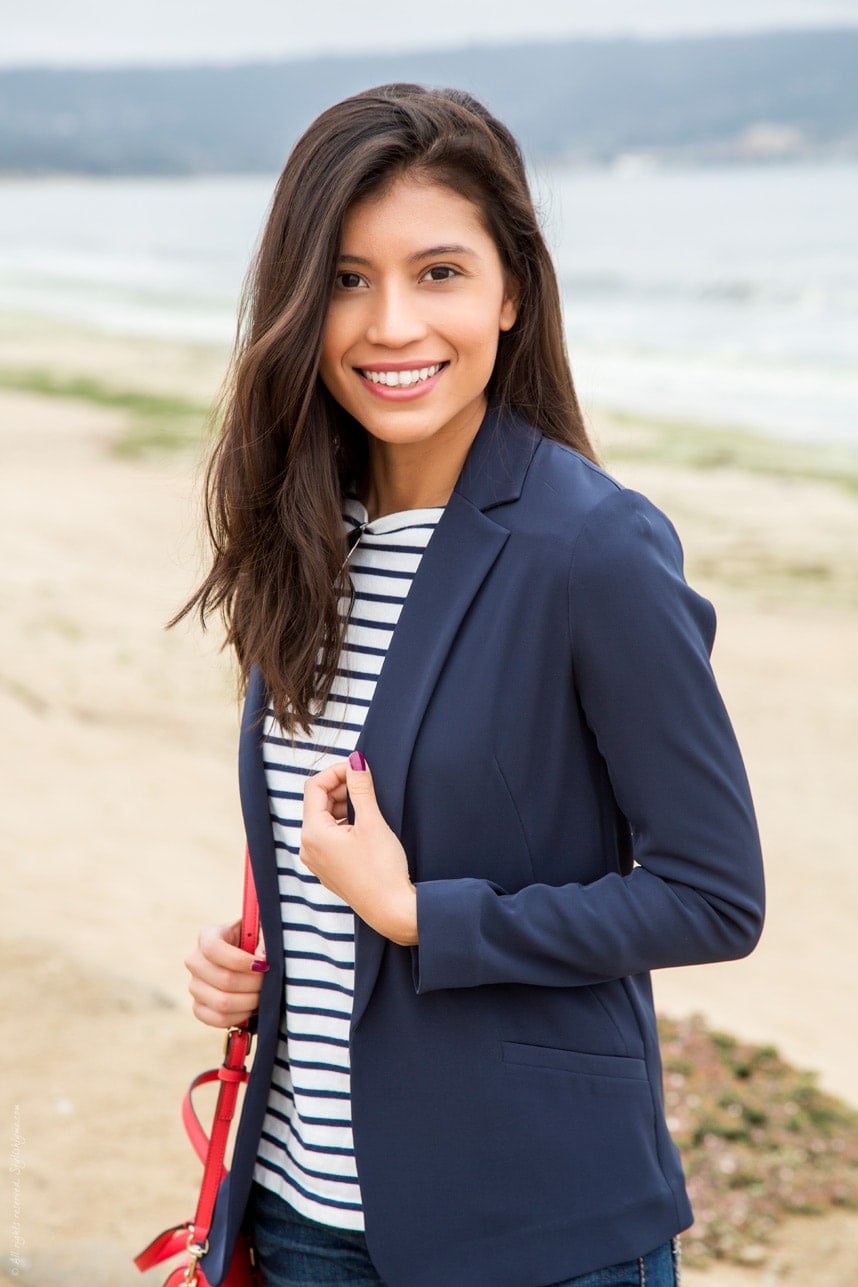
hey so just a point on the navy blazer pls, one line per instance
(548, 741)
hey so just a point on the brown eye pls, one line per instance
(348, 281)
(441, 273)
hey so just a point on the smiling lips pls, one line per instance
(400, 382)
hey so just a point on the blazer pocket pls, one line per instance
(574, 1061)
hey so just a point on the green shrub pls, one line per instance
(759, 1140)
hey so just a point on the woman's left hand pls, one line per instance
(363, 863)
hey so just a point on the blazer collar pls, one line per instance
(498, 461)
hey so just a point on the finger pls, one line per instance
(332, 778)
(320, 792)
(225, 1000)
(220, 1009)
(216, 951)
(338, 801)
(361, 788)
(242, 981)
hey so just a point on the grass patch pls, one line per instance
(154, 421)
(759, 1140)
(691, 445)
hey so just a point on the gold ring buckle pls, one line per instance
(234, 1032)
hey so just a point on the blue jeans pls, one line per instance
(293, 1251)
(660, 1268)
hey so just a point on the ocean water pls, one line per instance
(714, 296)
(726, 296)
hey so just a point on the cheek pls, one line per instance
(479, 332)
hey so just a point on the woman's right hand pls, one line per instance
(225, 980)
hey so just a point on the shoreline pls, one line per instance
(674, 439)
(122, 830)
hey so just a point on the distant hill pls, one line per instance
(719, 98)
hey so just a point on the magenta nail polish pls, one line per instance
(261, 967)
(357, 762)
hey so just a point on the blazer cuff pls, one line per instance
(448, 914)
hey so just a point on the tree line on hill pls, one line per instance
(720, 98)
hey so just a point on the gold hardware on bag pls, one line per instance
(196, 1251)
(234, 1032)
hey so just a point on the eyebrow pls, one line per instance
(431, 253)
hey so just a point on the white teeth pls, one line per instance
(402, 379)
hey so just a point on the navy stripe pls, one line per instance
(331, 1149)
(317, 1065)
(333, 1122)
(295, 823)
(293, 768)
(337, 723)
(350, 700)
(368, 624)
(317, 1039)
(317, 1010)
(387, 547)
(323, 1121)
(315, 1197)
(306, 878)
(366, 650)
(368, 596)
(341, 909)
(320, 1175)
(300, 927)
(322, 986)
(392, 573)
(315, 748)
(326, 960)
(306, 1092)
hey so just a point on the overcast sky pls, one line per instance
(104, 32)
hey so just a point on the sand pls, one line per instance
(121, 831)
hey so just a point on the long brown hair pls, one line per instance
(286, 450)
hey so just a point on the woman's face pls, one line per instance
(419, 301)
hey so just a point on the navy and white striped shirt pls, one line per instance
(306, 1153)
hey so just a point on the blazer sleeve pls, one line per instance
(640, 640)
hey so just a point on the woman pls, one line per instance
(457, 1080)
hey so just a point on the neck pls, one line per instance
(416, 475)
(393, 486)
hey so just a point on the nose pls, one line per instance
(396, 319)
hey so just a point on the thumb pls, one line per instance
(360, 787)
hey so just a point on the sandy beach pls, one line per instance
(121, 831)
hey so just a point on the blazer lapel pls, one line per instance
(257, 818)
(457, 560)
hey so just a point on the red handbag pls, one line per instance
(191, 1238)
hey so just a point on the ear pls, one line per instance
(509, 307)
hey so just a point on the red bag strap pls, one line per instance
(249, 909)
(231, 1075)
(211, 1149)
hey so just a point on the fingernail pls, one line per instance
(357, 762)
(261, 967)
